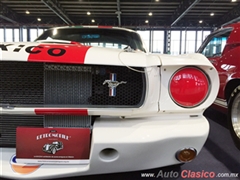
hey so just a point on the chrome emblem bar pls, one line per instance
(113, 84)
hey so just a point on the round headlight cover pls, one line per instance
(189, 87)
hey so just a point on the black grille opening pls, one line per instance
(9, 123)
(48, 84)
(21, 83)
(62, 85)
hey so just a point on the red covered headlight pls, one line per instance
(189, 87)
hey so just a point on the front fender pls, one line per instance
(194, 59)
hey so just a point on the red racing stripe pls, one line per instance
(80, 112)
(58, 53)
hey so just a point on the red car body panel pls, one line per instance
(228, 63)
(222, 48)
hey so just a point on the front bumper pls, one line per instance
(119, 145)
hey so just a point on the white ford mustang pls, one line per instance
(114, 106)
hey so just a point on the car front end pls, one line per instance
(142, 110)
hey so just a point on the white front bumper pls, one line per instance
(139, 143)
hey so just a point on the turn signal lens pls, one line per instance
(186, 155)
(189, 87)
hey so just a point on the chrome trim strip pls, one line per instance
(221, 102)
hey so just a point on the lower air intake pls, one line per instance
(9, 123)
(67, 121)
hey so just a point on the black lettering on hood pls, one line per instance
(4, 46)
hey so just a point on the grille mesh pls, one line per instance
(127, 95)
(67, 121)
(62, 85)
(23, 83)
(9, 123)
(67, 84)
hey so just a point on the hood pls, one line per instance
(74, 54)
(193, 59)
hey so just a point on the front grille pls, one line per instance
(41, 84)
(62, 85)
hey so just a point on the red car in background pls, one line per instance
(222, 48)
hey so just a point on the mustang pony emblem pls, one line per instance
(113, 83)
